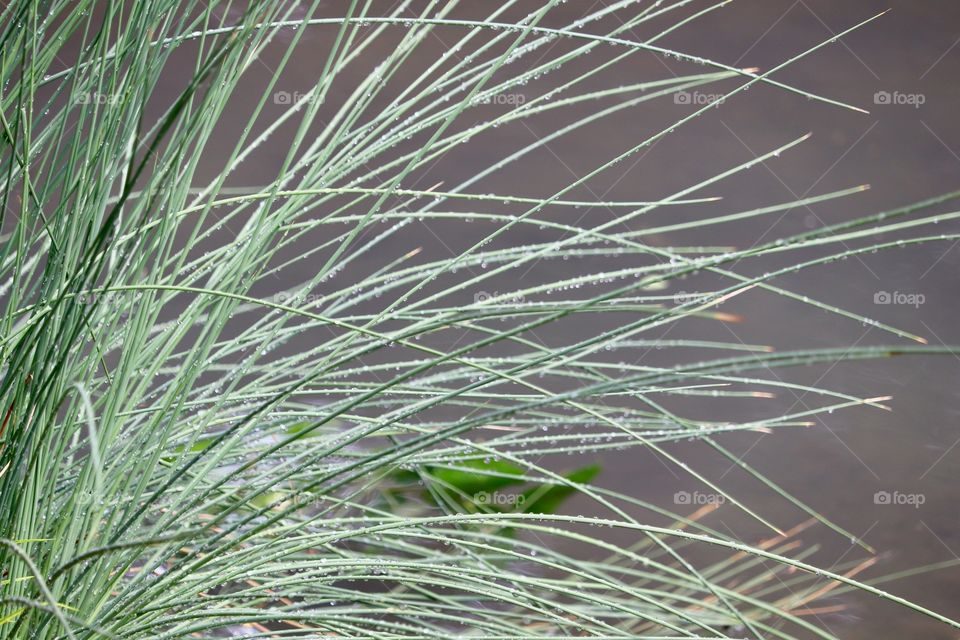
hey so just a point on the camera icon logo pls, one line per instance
(882, 297)
(882, 97)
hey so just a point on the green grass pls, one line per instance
(200, 441)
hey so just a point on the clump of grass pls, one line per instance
(236, 408)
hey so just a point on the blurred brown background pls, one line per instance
(906, 151)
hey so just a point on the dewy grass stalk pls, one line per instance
(258, 407)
